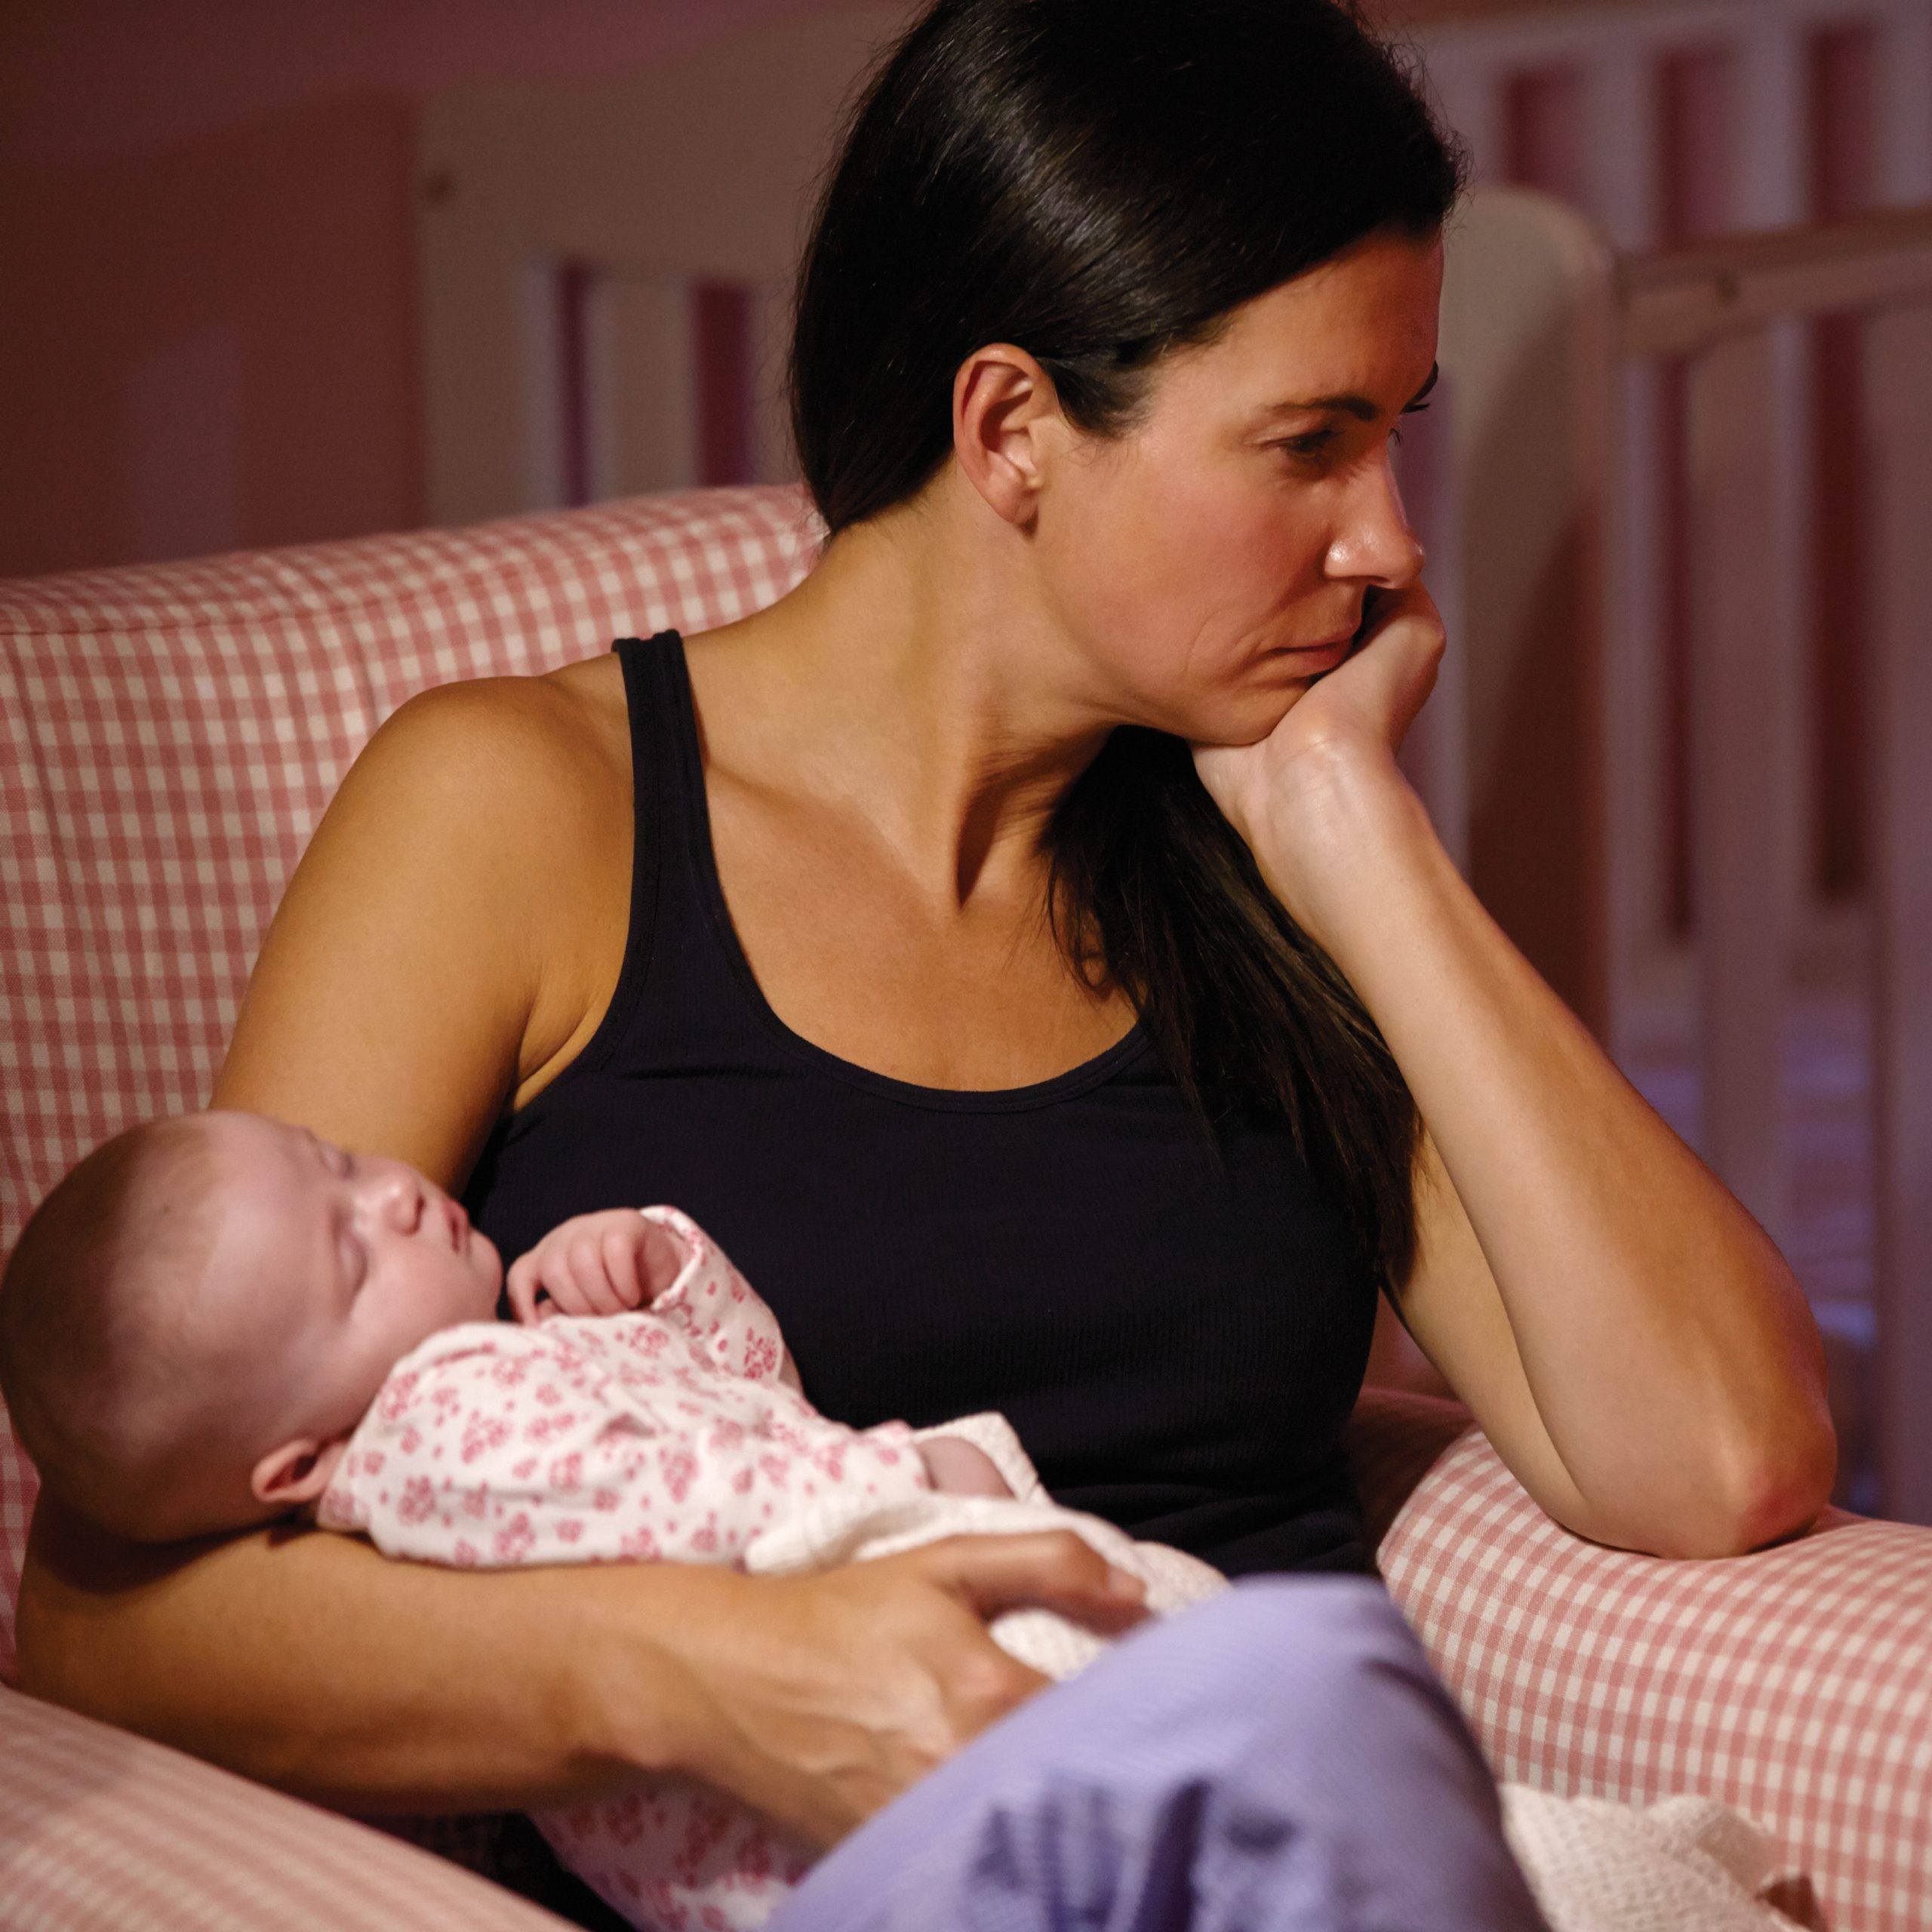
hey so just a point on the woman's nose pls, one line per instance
(1375, 545)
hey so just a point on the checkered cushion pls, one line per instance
(1794, 1684)
(171, 735)
(105, 1832)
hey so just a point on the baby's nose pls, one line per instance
(401, 1199)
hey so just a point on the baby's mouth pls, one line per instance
(457, 1223)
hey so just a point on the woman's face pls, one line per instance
(1213, 560)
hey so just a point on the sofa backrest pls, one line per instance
(169, 737)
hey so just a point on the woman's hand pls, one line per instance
(1359, 712)
(1297, 796)
(823, 1698)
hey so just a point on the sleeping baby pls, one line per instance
(218, 1320)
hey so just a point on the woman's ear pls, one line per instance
(297, 1472)
(1005, 411)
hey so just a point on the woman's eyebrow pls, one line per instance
(1360, 406)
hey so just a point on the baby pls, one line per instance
(216, 1320)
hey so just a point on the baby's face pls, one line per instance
(328, 1267)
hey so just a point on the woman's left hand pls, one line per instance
(1338, 740)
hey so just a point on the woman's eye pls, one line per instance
(1312, 444)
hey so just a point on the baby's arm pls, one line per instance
(574, 1441)
(677, 1431)
(596, 1264)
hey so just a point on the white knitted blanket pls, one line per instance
(1684, 1864)
(848, 1529)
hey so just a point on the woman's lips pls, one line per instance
(1332, 652)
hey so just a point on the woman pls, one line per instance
(1025, 1057)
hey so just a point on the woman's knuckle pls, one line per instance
(990, 1682)
(1074, 1559)
(927, 1744)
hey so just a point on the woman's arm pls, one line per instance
(1631, 1342)
(449, 941)
(310, 1662)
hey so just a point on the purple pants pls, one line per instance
(1282, 1759)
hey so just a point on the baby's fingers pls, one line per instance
(589, 1277)
(624, 1265)
(522, 1284)
(660, 1258)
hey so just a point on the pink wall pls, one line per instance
(207, 311)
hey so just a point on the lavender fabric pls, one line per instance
(1282, 1759)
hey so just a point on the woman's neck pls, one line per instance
(914, 677)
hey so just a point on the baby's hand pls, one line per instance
(595, 1264)
(960, 1468)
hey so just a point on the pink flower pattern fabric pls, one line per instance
(672, 1434)
(677, 1433)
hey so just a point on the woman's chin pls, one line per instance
(1249, 719)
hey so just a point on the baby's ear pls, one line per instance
(297, 1472)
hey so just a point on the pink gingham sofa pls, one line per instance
(169, 736)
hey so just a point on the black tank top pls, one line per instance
(1171, 1321)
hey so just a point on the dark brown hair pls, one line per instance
(1101, 182)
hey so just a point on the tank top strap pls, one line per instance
(657, 696)
(677, 994)
(653, 672)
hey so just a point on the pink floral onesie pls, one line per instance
(677, 1433)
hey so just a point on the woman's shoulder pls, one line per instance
(509, 742)
(492, 802)
(522, 729)
(460, 908)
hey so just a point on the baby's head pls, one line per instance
(196, 1318)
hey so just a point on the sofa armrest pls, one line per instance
(1394, 1438)
(1795, 1684)
(101, 1831)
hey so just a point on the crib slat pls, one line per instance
(645, 409)
(1527, 338)
(1636, 691)
(1905, 112)
(1435, 753)
(1898, 429)
(1746, 550)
